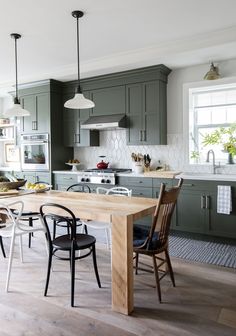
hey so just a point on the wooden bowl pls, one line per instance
(12, 185)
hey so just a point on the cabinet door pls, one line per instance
(108, 100)
(70, 118)
(30, 177)
(29, 122)
(220, 224)
(43, 177)
(154, 115)
(39, 108)
(134, 113)
(190, 211)
(42, 113)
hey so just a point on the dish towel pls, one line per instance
(224, 199)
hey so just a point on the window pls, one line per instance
(209, 109)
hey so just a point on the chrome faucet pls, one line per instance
(214, 166)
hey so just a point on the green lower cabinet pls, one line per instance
(221, 224)
(190, 215)
(64, 181)
(196, 210)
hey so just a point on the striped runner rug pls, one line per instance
(216, 251)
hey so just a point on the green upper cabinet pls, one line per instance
(146, 111)
(39, 107)
(140, 94)
(109, 100)
(73, 135)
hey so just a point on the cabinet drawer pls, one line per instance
(67, 179)
(141, 192)
(126, 181)
(43, 177)
(158, 181)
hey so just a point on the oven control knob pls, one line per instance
(103, 181)
(108, 181)
(82, 179)
(87, 180)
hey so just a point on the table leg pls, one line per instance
(122, 264)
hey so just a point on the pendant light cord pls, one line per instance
(79, 88)
(16, 66)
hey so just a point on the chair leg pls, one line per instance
(48, 271)
(72, 255)
(10, 262)
(170, 267)
(21, 249)
(157, 278)
(95, 266)
(136, 262)
(54, 229)
(30, 234)
(2, 247)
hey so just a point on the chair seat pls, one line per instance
(26, 213)
(62, 223)
(140, 235)
(83, 241)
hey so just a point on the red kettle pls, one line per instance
(102, 164)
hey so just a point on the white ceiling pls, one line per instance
(115, 35)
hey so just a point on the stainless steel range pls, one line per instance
(98, 176)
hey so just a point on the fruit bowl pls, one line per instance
(37, 188)
(12, 185)
(73, 165)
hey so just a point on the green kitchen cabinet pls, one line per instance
(196, 210)
(73, 135)
(64, 180)
(141, 187)
(39, 107)
(35, 176)
(108, 100)
(146, 112)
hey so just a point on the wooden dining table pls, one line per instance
(121, 212)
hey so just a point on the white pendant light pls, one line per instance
(79, 101)
(16, 110)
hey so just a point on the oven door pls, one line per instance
(35, 155)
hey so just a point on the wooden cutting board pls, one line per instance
(163, 174)
(9, 192)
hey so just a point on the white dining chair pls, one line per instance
(14, 227)
(116, 191)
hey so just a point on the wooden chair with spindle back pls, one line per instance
(153, 241)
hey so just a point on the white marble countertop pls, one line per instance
(187, 175)
(207, 176)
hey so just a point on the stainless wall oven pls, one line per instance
(35, 152)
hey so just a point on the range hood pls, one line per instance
(105, 122)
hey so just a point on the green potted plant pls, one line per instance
(225, 136)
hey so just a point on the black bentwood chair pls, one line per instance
(153, 241)
(75, 188)
(69, 242)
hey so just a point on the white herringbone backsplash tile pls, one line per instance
(113, 146)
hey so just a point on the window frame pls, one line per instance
(187, 110)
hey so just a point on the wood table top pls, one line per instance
(89, 206)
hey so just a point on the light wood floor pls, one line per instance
(203, 303)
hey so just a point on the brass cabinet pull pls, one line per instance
(140, 136)
(208, 202)
(144, 135)
(203, 202)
